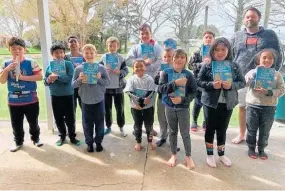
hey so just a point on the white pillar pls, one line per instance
(266, 12)
(45, 36)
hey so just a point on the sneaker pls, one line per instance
(160, 142)
(99, 147)
(107, 130)
(263, 155)
(211, 161)
(38, 143)
(194, 126)
(204, 126)
(252, 154)
(90, 148)
(123, 133)
(59, 142)
(15, 147)
(75, 141)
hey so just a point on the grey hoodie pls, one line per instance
(246, 46)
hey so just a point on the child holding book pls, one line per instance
(77, 58)
(261, 103)
(117, 70)
(21, 75)
(167, 60)
(58, 77)
(195, 64)
(92, 90)
(219, 97)
(141, 88)
(178, 87)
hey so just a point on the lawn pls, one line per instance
(4, 113)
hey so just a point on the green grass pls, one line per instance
(5, 51)
(4, 111)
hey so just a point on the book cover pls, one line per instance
(222, 71)
(112, 61)
(164, 66)
(76, 60)
(58, 67)
(170, 44)
(90, 70)
(140, 92)
(147, 51)
(205, 50)
(264, 78)
(180, 90)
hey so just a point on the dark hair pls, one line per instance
(209, 32)
(258, 55)
(178, 52)
(138, 60)
(72, 37)
(16, 41)
(144, 27)
(253, 9)
(57, 46)
(223, 41)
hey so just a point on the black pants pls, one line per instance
(75, 98)
(261, 119)
(93, 114)
(119, 105)
(62, 107)
(146, 117)
(197, 106)
(217, 121)
(17, 114)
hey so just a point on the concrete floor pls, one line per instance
(120, 167)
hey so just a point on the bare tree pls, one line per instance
(233, 10)
(277, 14)
(183, 14)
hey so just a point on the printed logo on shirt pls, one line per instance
(251, 41)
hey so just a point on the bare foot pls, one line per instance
(172, 161)
(138, 147)
(238, 139)
(152, 146)
(189, 163)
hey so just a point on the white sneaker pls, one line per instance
(38, 144)
(227, 162)
(123, 133)
(15, 148)
(211, 161)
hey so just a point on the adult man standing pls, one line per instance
(246, 44)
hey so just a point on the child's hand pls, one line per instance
(81, 76)
(53, 77)
(176, 100)
(146, 101)
(207, 60)
(137, 107)
(11, 66)
(49, 80)
(98, 76)
(226, 85)
(109, 70)
(148, 61)
(262, 91)
(116, 71)
(20, 77)
(217, 85)
(181, 82)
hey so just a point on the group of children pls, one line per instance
(176, 88)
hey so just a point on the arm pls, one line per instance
(124, 70)
(202, 80)
(105, 79)
(239, 83)
(280, 88)
(131, 56)
(76, 82)
(68, 76)
(192, 89)
(47, 73)
(155, 65)
(166, 87)
(3, 75)
(195, 61)
(250, 78)
(276, 45)
(156, 78)
(37, 73)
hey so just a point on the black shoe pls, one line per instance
(99, 147)
(75, 141)
(251, 153)
(160, 142)
(90, 148)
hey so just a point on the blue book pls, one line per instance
(140, 92)
(170, 44)
(164, 66)
(58, 67)
(222, 71)
(205, 51)
(112, 61)
(90, 70)
(147, 51)
(180, 90)
(264, 78)
(76, 61)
